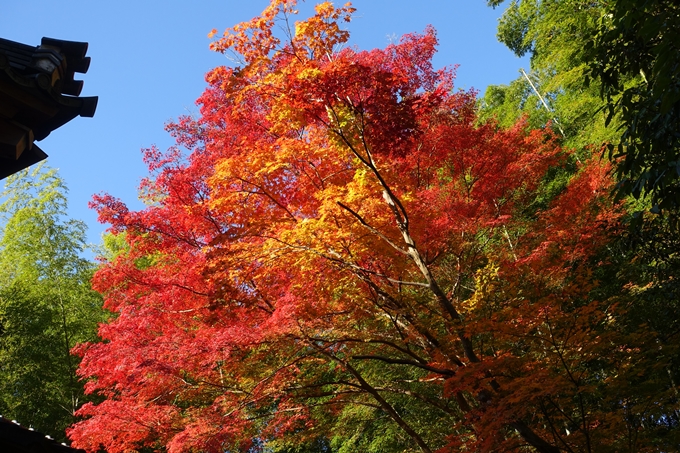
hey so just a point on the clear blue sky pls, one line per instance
(149, 58)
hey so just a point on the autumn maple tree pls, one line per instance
(344, 248)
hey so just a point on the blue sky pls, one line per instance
(149, 58)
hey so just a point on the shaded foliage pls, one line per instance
(634, 57)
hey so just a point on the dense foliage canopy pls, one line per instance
(348, 261)
(634, 56)
(608, 62)
(555, 34)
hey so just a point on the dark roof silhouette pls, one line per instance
(17, 439)
(38, 94)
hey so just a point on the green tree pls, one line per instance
(553, 33)
(46, 303)
(634, 60)
(609, 73)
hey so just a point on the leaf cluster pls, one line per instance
(633, 55)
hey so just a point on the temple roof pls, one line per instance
(15, 438)
(38, 94)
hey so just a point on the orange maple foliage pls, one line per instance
(343, 234)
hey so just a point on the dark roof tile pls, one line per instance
(38, 94)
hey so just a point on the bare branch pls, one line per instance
(372, 229)
(405, 362)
